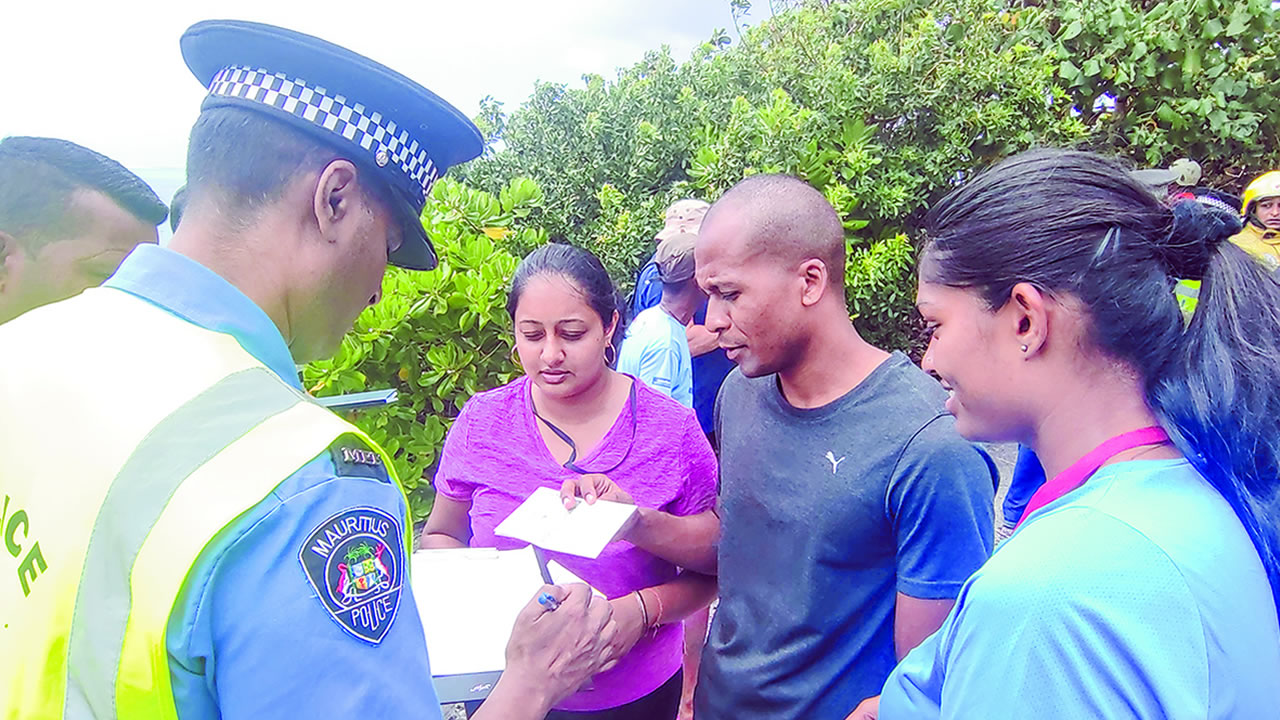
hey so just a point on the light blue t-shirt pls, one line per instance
(1138, 595)
(250, 636)
(656, 350)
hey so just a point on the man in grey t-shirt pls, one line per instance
(851, 510)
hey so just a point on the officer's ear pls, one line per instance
(336, 197)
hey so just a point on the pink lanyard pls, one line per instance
(1084, 468)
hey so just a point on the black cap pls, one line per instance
(381, 120)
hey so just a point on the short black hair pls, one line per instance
(789, 219)
(248, 158)
(38, 176)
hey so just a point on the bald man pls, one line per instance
(851, 510)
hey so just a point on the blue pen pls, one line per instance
(548, 601)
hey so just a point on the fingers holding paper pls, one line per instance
(564, 647)
(592, 487)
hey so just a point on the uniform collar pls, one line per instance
(197, 294)
(1271, 237)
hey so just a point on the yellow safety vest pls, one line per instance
(1261, 243)
(128, 439)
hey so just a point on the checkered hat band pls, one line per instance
(386, 142)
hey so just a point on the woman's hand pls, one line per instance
(630, 625)
(595, 486)
(592, 487)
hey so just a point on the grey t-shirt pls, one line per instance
(826, 514)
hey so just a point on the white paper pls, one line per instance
(583, 531)
(469, 599)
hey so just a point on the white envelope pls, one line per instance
(542, 520)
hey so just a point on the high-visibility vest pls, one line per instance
(129, 438)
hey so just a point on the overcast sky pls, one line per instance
(109, 75)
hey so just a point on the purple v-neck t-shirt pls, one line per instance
(494, 458)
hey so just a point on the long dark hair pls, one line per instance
(585, 271)
(1076, 223)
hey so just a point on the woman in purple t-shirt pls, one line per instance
(573, 424)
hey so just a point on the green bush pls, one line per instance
(1177, 78)
(438, 337)
(886, 104)
(622, 235)
(880, 288)
(880, 104)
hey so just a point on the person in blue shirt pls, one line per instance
(656, 348)
(289, 224)
(1144, 580)
(710, 363)
(1026, 479)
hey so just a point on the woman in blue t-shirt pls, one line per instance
(1143, 580)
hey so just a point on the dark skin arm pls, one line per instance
(915, 619)
(551, 653)
(448, 525)
(687, 541)
(665, 604)
(701, 340)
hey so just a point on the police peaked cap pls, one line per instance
(385, 123)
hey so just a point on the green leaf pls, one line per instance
(1068, 71)
(1072, 30)
(1240, 19)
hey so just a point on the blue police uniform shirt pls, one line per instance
(248, 635)
(1138, 595)
(709, 369)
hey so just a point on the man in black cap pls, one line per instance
(218, 545)
(68, 216)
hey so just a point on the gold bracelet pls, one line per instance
(657, 618)
(644, 611)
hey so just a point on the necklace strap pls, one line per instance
(1084, 468)
(570, 464)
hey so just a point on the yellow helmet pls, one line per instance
(1265, 186)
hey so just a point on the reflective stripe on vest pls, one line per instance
(94, 646)
(1187, 293)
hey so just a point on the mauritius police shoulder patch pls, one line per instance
(355, 560)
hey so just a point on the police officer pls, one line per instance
(186, 534)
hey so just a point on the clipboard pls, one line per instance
(468, 600)
(356, 401)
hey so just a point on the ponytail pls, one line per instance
(1219, 396)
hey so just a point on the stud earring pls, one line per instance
(1024, 348)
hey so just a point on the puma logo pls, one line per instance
(835, 464)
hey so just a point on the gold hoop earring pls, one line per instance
(607, 360)
(515, 355)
